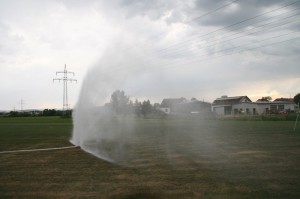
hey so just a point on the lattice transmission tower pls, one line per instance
(22, 105)
(65, 79)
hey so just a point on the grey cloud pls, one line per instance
(243, 10)
(212, 4)
(152, 8)
(189, 11)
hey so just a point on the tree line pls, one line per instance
(45, 112)
(120, 104)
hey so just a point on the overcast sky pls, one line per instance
(152, 49)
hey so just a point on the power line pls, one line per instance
(224, 41)
(232, 25)
(260, 41)
(210, 12)
(253, 43)
(173, 65)
(203, 15)
(149, 60)
(266, 22)
(212, 32)
(283, 23)
(202, 57)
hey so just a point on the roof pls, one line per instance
(169, 102)
(284, 100)
(231, 100)
(193, 101)
(274, 102)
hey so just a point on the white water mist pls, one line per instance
(125, 138)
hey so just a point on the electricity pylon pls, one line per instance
(22, 103)
(65, 80)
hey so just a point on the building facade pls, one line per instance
(178, 106)
(243, 105)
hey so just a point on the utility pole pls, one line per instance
(65, 80)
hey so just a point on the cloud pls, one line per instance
(238, 10)
(159, 44)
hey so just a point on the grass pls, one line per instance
(31, 132)
(176, 159)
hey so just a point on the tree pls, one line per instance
(156, 106)
(265, 99)
(119, 102)
(297, 98)
(14, 114)
(137, 107)
(49, 112)
(146, 107)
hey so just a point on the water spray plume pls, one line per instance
(109, 125)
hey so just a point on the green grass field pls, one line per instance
(211, 159)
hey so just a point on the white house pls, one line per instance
(243, 105)
(226, 105)
(168, 105)
(165, 110)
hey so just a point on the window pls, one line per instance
(273, 107)
(236, 111)
(227, 110)
(247, 111)
(280, 107)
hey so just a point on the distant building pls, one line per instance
(192, 106)
(184, 106)
(243, 105)
(275, 107)
(165, 110)
(227, 105)
(169, 105)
